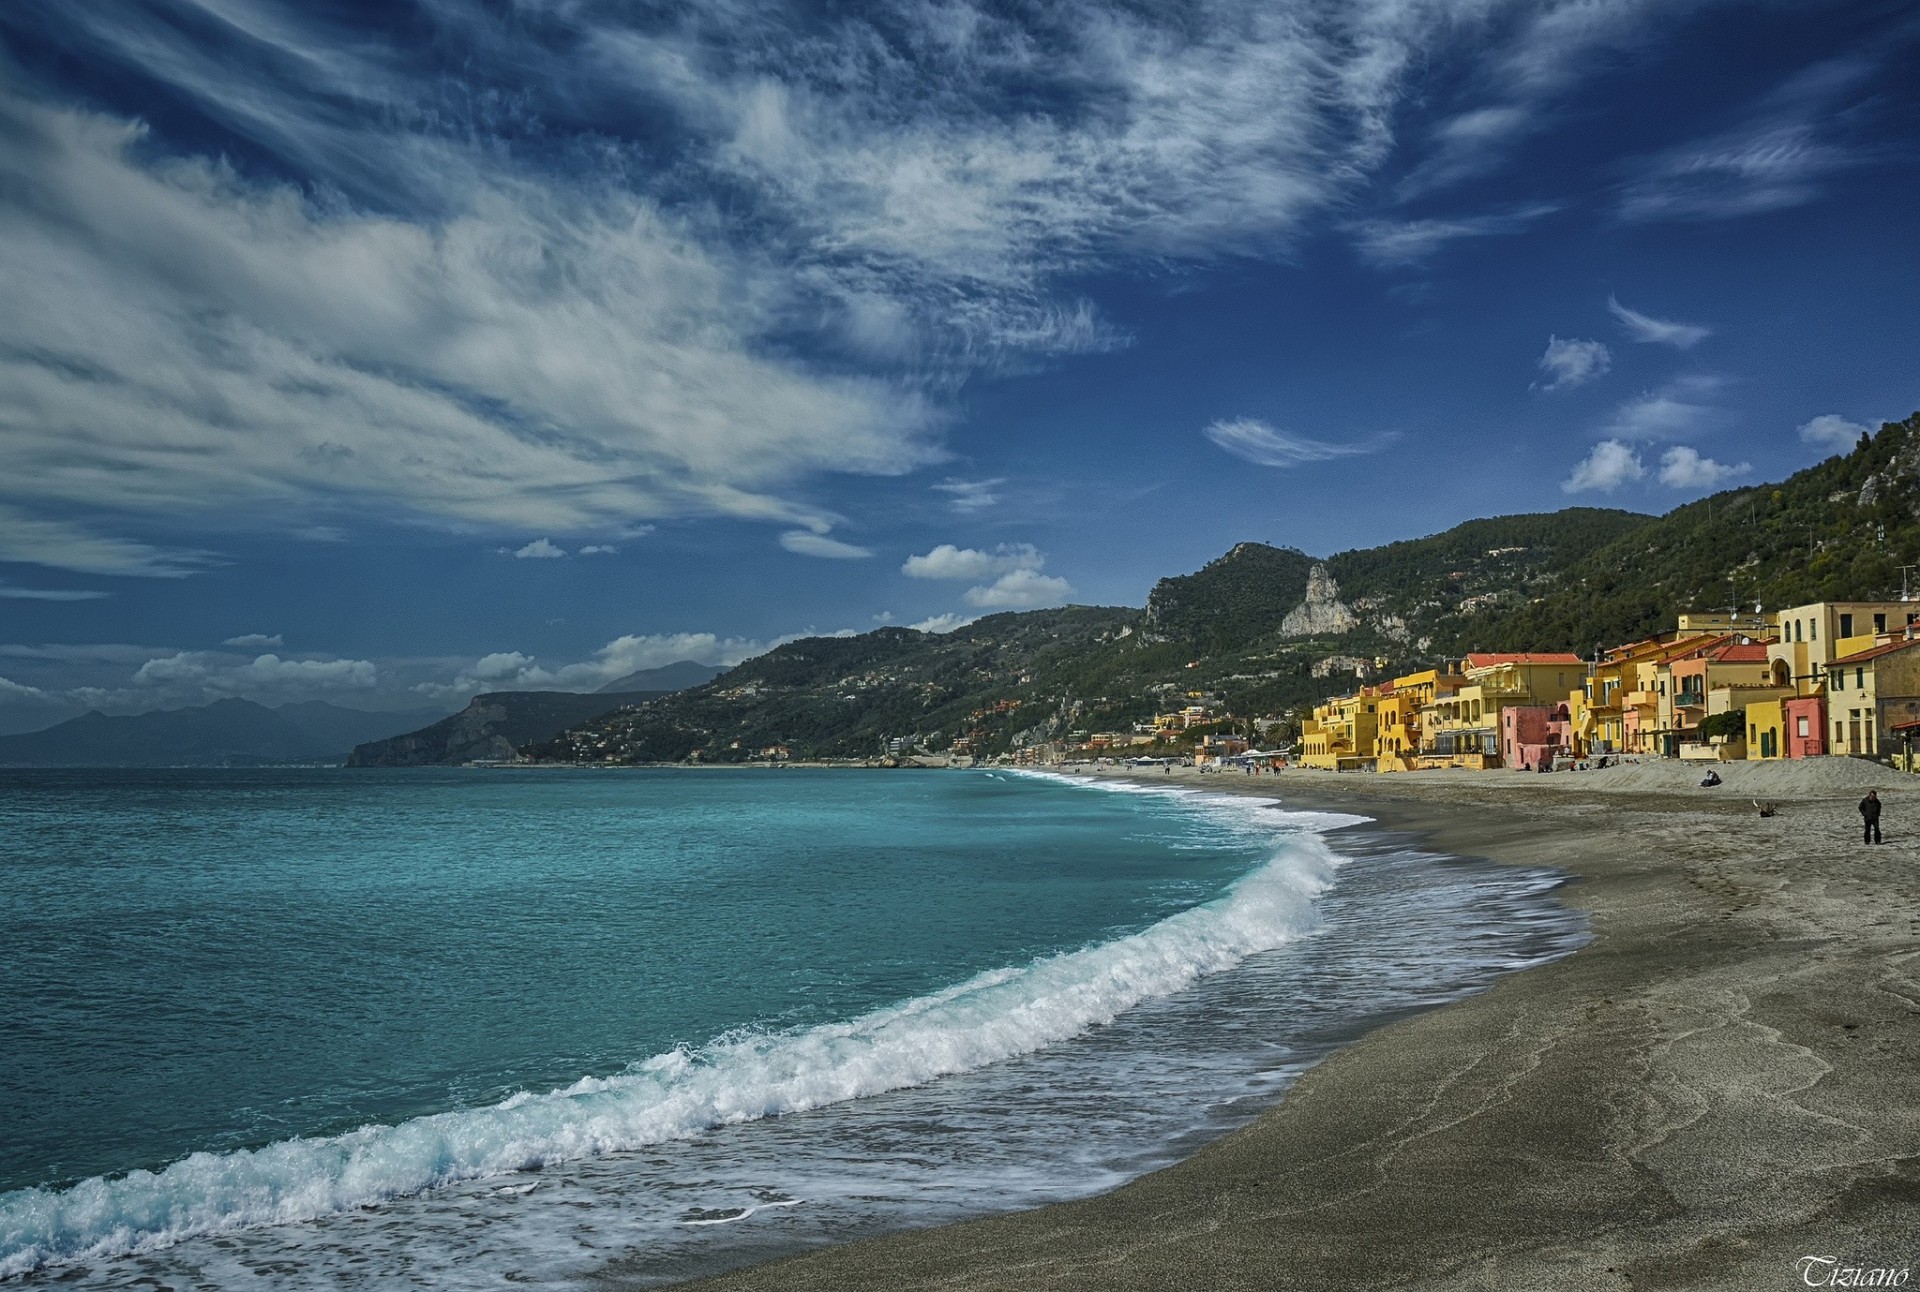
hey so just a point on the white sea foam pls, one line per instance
(737, 1078)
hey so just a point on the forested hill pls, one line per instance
(1840, 529)
(1270, 629)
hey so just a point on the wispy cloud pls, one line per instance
(1683, 468)
(255, 641)
(1676, 409)
(1793, 140)
(1260, 443)
(1652, 331)
(10, 592)
(1832, 432)
(969, 496)
(540, 549)
(68, 545)
(1573, 363)
(805, 542)
(1610, 465)
(1397, 243)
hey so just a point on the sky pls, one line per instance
(385, 353)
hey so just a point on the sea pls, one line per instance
(472, 1028)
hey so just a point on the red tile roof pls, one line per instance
(1742, 653)
(1523, 657)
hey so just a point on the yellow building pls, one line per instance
(1810, 636)
(1765, 722)
(1341, 734)
(1397, 727)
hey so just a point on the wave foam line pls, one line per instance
(993, 1016)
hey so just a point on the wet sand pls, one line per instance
(1725, 1081)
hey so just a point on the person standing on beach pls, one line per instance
(1870, 817)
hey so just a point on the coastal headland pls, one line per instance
(1721, 1091)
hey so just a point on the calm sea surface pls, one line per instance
(469, 1029)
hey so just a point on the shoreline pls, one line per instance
(1720, 1083)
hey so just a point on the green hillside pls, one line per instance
(1839, 529)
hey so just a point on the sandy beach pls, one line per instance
(1726, 1081)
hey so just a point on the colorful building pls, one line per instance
(1341, 734)
(1868, 693)
(1811, 636)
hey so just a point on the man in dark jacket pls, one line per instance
(1870, 817)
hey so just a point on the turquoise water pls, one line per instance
(723, 1013)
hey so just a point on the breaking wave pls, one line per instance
(737, 1077)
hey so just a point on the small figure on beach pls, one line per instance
(1712, 778)
(1870, 817)
(1766, 809)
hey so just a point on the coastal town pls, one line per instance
(1831, 678)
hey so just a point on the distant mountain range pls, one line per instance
(225, 733)
(1270, 630)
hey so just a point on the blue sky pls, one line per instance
(384, 353)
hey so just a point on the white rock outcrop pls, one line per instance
(1322, 614)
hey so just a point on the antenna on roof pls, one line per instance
(1903, 581)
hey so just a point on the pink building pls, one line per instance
(1805, 718)
(1531, 734)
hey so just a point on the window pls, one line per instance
(1801, 731)
(1813, 630)
(1846, 625)
(1879, 623)
(1796, 630)
(1859, 679)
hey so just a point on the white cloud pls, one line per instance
(598, 549)
(805, 542)
(491, 668)
(970, 496)
(540, 549)
(201, 675)
(12, 692)
(181, 340)
(1610, 465)
(1258, 442)
(1573, 363)
(943, 623)
(1394, 243)
(1683, 468)
(1833, 432)
(950, 562)
(254, 641)
(1020, 590)
(453, 323)
(1645, 328)
(1013, 568)
(1675, 409)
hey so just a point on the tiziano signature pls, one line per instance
(1828, 1272)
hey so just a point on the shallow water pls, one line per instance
(470, 1028)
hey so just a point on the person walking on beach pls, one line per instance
(1870, 817)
